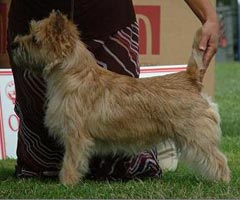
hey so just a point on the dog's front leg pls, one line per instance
(76, 158)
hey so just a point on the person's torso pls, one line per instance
(95, 18)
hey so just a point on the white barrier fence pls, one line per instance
(9, 121)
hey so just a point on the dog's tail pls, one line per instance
(195, 66)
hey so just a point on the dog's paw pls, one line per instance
(69, 178)
(225, 175)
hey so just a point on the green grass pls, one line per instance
(180, 184)
(227, 96)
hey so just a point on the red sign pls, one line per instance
(3, 28)
(149, 19)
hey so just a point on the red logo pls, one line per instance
(3, 28)
(149, 19)
(13, 122)
(10, 91)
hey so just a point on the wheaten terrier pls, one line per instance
(95, 111)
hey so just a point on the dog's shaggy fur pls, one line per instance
(92, 110)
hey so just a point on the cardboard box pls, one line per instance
(166, 31)
(4, 6)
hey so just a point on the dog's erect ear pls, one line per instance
(62, 33)
(33, 22)
(58, 21)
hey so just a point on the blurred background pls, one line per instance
(229, 41)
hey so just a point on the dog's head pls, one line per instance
(48, 43)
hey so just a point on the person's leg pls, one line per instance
(119, 52)
(38, 154)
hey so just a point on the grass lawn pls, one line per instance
(180, 184)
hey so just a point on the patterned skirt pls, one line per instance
(40, 155)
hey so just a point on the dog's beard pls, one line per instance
(26, 59)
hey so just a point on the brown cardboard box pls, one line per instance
(4, 6)
(166, 30)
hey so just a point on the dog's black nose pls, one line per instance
(14, 45)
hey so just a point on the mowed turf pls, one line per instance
(180, 184)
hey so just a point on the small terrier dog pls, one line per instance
(95, 111)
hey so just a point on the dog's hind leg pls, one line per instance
(76, 159)
(199, 146)
(199, 150)
(206, 159)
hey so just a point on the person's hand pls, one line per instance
(209, 41)
(206, 13)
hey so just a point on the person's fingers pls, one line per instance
(209, 41)
(204, 42)
(208, 44)
(208, 55)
